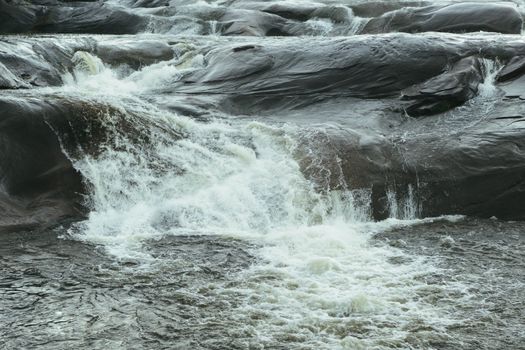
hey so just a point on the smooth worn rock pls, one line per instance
(149, 3)
(18, 16)
(377, 8)
(26, 63)
(476, 170)
(349, 67)
(513, 69)
(454, 18)
(306, 11)
(439, 72)
(446, 91)
(40, 186)
(253, 23)
(463, 161)
(135, 53)
(41, 137)
(514, 88)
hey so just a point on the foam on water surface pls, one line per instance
(318, 272)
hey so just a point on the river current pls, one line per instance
(232, 233)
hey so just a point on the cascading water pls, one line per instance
(214, 29)
(317, 268)
(488, 89)
(261, 175)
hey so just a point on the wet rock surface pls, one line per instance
(40, 187)
(453, 18)
(446, 91)
(58, 293)
(40, 137)
(95, 17)
(259, 174)
(476, 169)
(255, 18)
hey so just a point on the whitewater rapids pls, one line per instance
(284, 175)
(316, 274)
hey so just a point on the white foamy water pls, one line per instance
(356, 23)
(488, 92)
(91, 76)
(320, 26)
(488, 89)
(319, 274)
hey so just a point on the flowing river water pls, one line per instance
(207, 234)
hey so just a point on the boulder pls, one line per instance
(437, 72)
(19, 16)
(339, 67)
(513, 69)
(40, 186)
(136, 53)
(454, 18)
(377, 8)
(475, 170)
(27, 63)
(447, 90)
(253, 23)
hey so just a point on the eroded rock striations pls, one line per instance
(461, 155)
(452, 18)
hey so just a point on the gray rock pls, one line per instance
(454, 18)
(513, 69)
(18, 16)
(445, 91)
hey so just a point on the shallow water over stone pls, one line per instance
(59, 293)
(262, 174)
